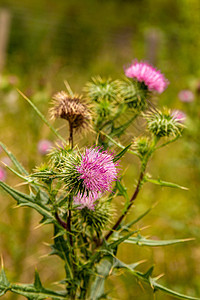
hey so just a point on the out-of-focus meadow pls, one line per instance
(43, 43)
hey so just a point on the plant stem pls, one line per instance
(137, 189)
(69, 221)
(60, 221)
(71, 140)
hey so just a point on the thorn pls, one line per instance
(159, 276)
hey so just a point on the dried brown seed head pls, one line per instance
(72, 109)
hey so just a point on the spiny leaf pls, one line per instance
(103, 271)
(42, 117)
(142, 241)
(121, 153)
(172, 293)
(29, 201)
(4, 283)
(37, 281)
(121, 240)
(31, 292)
(118, 264)
(165, 183)
(61, 248)
(120, 130)
(149, 272)
(17, 164)
(156, 286)
(127, 226)
(122, 190)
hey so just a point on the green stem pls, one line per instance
(137, 189)
(71, 140)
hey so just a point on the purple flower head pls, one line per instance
(178, 115)
(97, 170)
(86, 200)
(186, 96)
(152, 78)
(2, 174)
(44, 146)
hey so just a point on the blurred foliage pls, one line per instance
(55, 40)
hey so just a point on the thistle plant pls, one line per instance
(74, 191)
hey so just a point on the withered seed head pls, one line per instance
(70, 108)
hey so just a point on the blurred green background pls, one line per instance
(46, 42)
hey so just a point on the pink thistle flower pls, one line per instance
(86, 200)
(97, 170)
(186, 96)
(2, 174)
(152, 78)
(178, 115)
(44, 146)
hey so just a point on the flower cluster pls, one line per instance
(152, 78)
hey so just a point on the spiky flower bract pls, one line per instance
(98, 218)
(152, 78)
(101, 89)
(97, 170)
(141, 146)
(178, 115)
(86, 200)
(70, 108)
(133, 94)
(163, 123)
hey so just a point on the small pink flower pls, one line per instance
(186, 96)
(44, 146)
(152, 78)
(2, 174)
(178, 115)
(86, 200)
(97, 170)
(6, 161)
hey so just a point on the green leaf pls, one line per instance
(121, 240)
(4, 283)
(127, 226)
(171, 292)
(103, 270)
(142, 241)
(31, 291)
(61, 247)
(156, 286)
(118, 264)
(120, 130)
(121, 153)
(42, 117)
(122, 190)
(165, 183)
(37, 281)
(146, 277)
(29, 201)
(17, 164)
